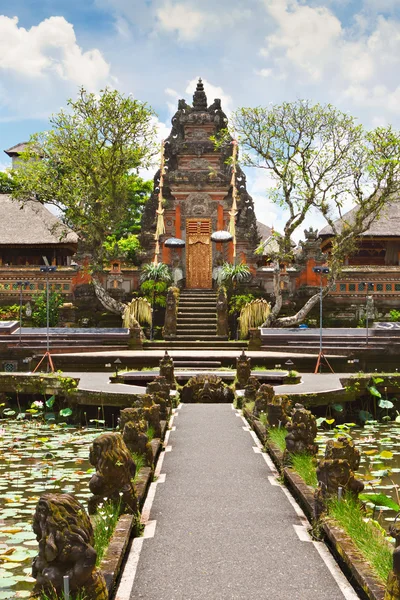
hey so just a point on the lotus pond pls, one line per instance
(379, 444)
(34, 458)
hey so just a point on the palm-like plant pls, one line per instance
(155, 273)
(234, 274)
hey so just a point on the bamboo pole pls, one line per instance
(233, 211)
(160, 225)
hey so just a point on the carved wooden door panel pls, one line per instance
(198, 254)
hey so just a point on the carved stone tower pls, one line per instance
(198, 196)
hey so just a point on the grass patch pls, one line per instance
(52, 595)
(263, 418)
(277, 436)
(249, 406)
(105, 522)
(140, 462)
(304, 465)
(150, 433)
(367, 536)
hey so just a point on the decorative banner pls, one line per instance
(160, 225)
(233, 212)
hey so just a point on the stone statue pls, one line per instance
(337, 470)
(171, 312)
(243, 370)
(250, 389)
(115, 470)
(206, 388)
(65, 535)
(152, 416)
(167, 370)
(278, 411)
(264, 396)
(302, 432)
(137, 441)
(160, 391)
(222, 313)
(393, 582)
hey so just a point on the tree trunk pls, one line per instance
(107, 301)
(276, 309)
(300, 316)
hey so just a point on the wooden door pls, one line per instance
(198, 254)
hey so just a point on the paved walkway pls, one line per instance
(310, 384)
(221, 527)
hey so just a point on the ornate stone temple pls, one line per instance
(197, 194)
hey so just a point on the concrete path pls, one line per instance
(310, 384)
(221, 527)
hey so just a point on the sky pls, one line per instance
(249, 53)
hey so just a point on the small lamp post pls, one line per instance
(290, 364)
(25, 284)
(117, 362)
(321, 271)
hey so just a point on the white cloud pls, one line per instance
(181, 18)
(359, 62)
(49, 49)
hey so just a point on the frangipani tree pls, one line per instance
(319, 159)
(86, 166)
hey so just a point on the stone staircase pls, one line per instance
(197, 324)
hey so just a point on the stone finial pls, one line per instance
(243, 369)
(199, 97)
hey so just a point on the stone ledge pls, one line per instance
(113, 558)
(341, 544)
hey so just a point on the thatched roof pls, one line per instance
(264, 231)
(17, 149)
(31, 224)
(387, 225)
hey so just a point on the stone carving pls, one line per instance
(337, 470)
(65, 535)
(251, 388)
(243, 370)
(147, 415)
(302, 432)
(264, 396)
(152, 416)
(207, 389)
(160, 390)
(199, 163)
(171, 312)
(393, 582)
(167, 370)
(222, 313)
(115, 470)
(192, 127)
(278, 411)
(137, 441)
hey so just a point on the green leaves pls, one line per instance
(65, 412)
(374, 392)
(88, 162)
(385, 403)
(50, 401)
(380, 500)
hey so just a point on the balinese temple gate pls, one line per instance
(196, 193)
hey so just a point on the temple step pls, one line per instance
(190, 345)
